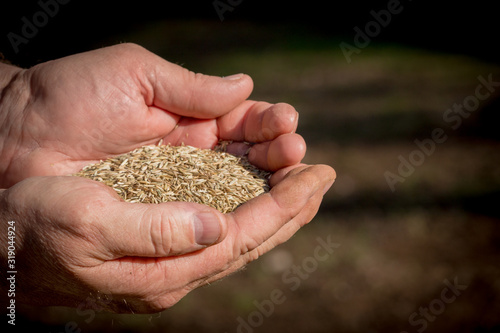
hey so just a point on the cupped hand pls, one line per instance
(77, 240)
(77, 110)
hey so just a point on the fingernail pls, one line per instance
(233, 77)
(239, 149)
(327, 187)
(207, 228)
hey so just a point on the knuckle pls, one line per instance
(160, 231)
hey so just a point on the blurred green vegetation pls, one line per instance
(396, 248)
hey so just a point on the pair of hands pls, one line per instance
(75, 237)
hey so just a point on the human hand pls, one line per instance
(77, 110)
(76, 239)
(83, 108)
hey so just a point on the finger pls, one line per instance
(281, 174)
(201, 133)
(159, 230)
(284, 151)
(258, 121)
(288, 229)
(282, 235)
(182, 92)
(260, 218)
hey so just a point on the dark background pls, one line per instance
(467, 27)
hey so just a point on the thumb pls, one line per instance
(189, 94)
(161, 230)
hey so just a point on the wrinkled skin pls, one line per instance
(75, 238)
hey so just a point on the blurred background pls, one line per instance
(415, 226)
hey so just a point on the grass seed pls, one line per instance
(163, 173)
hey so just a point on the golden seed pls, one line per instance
(155, 174)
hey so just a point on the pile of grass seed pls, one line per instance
(155, 174)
